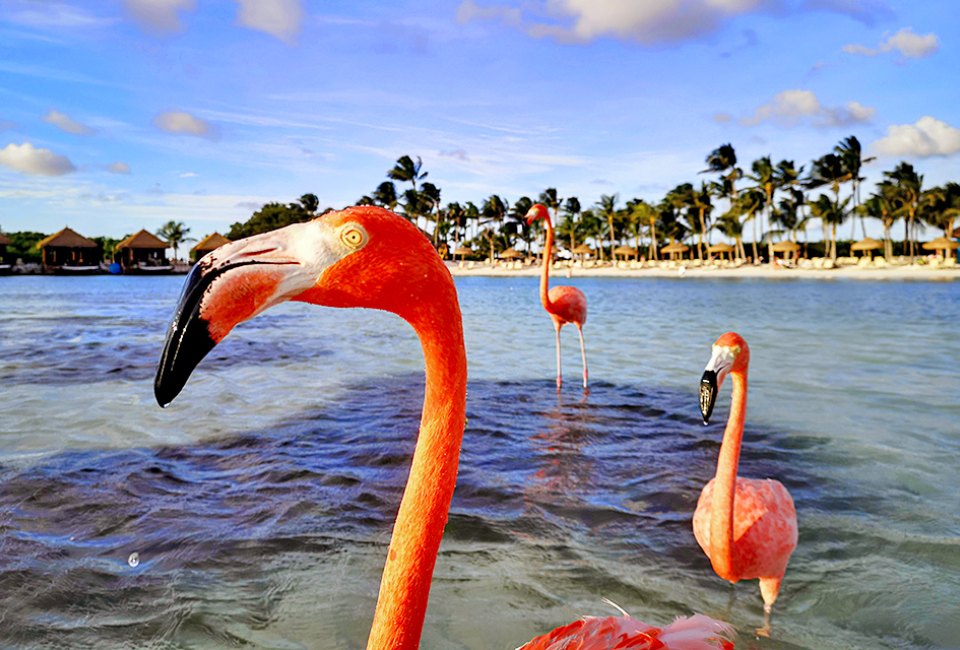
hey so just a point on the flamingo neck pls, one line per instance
(405, 585)
(725, 483)
(547, 258)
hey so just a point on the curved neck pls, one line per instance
(547, 258)
(725, 483)
(405, 585)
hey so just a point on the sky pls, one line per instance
(117, 115)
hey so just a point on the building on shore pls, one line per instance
(209, 243)
(6, 264)
(67, 251)
(142, 252)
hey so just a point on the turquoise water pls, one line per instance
(259, 503)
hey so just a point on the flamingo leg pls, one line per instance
(559, 374)
(583, 354)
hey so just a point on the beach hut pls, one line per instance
(941, 245)
(721, 249)
(462, 251)
(625, 251)
(582, 250)
(511, 254)
(675, 248)
(786, 247)
(142, 252)
(5, 263)
(211, 242)
(866, 245)
(67, 251)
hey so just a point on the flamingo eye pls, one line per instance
(353, 236)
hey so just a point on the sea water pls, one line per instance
(255, 510)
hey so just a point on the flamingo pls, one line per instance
(564, 304)
(747, 527)
(365, 257)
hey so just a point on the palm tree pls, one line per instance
(730, 225)
(851, 154)
(608, 208)
(310, 203)
(748, 204)
(882, 205)
(572, 210)
(549, 198)
(175, 233)
(940, 206)
(430, 198)
(828, 170)
(831, 213)
(407, 171)
(457, 216)
(908, 186)
(385, 195)
(765, 178)
(493, 210)
(518, 216)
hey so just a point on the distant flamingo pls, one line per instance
(564, 304)
(366, 257)
(747, 527)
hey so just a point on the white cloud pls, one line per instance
(792, 107)
(52, 14)
(118, 167)
(162, 16)
(907, 42)
(279, 18)
(182, 123)
(27, 159)
(66, 123)
(648, 22)
(927, 137)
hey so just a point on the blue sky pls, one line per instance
(119, 115)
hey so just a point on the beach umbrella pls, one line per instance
(720, 249)
(625, 251)
(510, 254)
(674, 249)
(865, 245)
(463, 251)
(786, 246)
(581, 250)
(941, 244)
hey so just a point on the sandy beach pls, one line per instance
(681, 270)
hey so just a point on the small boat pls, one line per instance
(78, 269)
(6, 269)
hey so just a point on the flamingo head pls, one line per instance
(730, 354)
(538, 211)
(358, 257)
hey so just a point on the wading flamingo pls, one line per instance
(564, 304)
(747, 527)
(365, 257)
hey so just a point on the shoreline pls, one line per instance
(764, 271)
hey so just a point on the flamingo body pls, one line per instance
(698, 632)
(747, 527)
(564, 304)
(764, 528)
(567, 305)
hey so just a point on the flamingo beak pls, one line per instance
(235, 283)
(709, 387)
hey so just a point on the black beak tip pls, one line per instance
(708, 395)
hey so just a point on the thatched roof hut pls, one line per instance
(69, 250)
(510, 254)
(721, 249)
(675, 248)
(211, 242)
(140, 250)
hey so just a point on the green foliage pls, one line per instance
(24, 246)
(270, 217)
(107, 245)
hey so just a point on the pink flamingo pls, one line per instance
(747, 527)
(368, 257)
(564, 304)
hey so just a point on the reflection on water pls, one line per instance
(259, 505)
